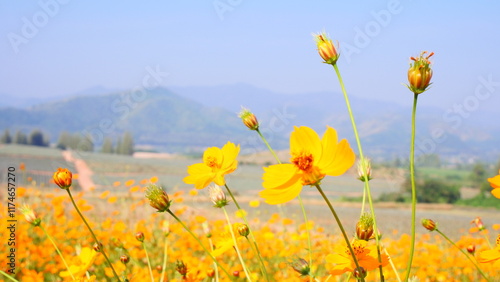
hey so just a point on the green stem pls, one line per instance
(463, 252)
(308, 233)
(8, 276)
(230, 226)
(199, 242)
(93, 235)
(392, 265)
(340, 225)
(216, 269)
(413, 188)
(164, 266)
(58, 251)
(268, 146)
(362, 159)
(149, 262)
(262, 265)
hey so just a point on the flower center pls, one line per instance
(303, 161)
(212, 162)
(357, 248)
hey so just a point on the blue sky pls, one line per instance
(52, 48)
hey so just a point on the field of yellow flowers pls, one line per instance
(147, 234)
(117, 221)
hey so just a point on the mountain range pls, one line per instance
(189, 119)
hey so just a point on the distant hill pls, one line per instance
(188, 119)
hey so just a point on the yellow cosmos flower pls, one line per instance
(86, 259)
(341, 261)
(312, 159)
(491, 256)
(216, 163)
(495, 183)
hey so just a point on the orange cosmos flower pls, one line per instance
(63, 177)
(341, 261)
(312, 159)
(491, 256)
(216, 163)
(495, 183)
(420, 73)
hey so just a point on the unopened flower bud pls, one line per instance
(249, 119)
(139, 236)
(217, 196)
(243, 230)
(429, 224)
(63, 178)
(97, 247)
(479, 223)
(159, 268)
(181, 267)
(364, 227)
(211, 273)
(364, 170)
(236, 273)
(471, 249)
(359, 273)
(326, 49)
(30, 215)
(124, 259)
(301, 266)
(420, 73)
(158, 198)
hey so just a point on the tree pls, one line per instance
(107, 146)
(64, 141)
(37, 139)
(478, 175)
(6, 138)
(126, 145)
(430, 190)
(20, 138)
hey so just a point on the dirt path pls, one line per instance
(83, 170)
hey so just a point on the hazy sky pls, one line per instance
(52, 48)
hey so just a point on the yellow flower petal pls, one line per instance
(230, 153)
(489, 255)
(494, 181)
(304, 139)
(496, 192)
(343, 159)
(329, 144)
(200, 175)
(280, 175)
(283, 195)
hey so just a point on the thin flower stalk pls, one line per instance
(149, 262)
(93, 235)
(165, 256)
(58, 251)
(463, 252)
(301, 203)
(8, 276)
(199, 242)
(366, 190)
(249, 278)
(215, 265)
(339, 223)
(262, 265)
(413, 186)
